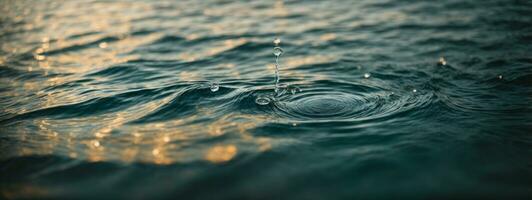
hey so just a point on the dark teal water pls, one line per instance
(103, 99)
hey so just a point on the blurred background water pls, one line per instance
(410, 99)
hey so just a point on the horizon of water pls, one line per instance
(162, 99)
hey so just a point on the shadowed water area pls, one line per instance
(158, 99)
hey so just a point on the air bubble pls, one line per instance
(414, 90)
(367, 75)
(499, 77)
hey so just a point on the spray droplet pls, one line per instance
(367, 75)
(277, 41)
(103, 45)
(277, 51)
(414, 90)
(499, 77)
(262, 100)
(442, 61)
(214, 87)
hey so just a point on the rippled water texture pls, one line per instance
(158, 99)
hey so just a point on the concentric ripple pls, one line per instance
(319, 106)
(350, 102)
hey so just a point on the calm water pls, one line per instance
(156, 99)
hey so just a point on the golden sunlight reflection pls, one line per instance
(221, 153)
(95, 151)
(328, 37)
(158, 142)
(63, 50)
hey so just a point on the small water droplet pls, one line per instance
(103, 45)
(277, 51)
(277, 41)
(214, 87)
(499, 77)
(367, 75)
(414, 90)
(262, 100)
(442, 61)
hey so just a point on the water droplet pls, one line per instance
(103, 45)
(277, 41)
(214, 87)
(414, 90)
(39, 57)
(277, 51)
(442, 61)
(367, 75)
(499, 77)
(262, 100)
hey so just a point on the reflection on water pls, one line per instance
(378, 97)
(160, 143)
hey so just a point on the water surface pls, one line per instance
(157, 99)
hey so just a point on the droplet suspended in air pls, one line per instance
(277, 51)
(262, 100)
(103, 45)
(214, 87)
(442, 61)
(277, 41)
(367, 75)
